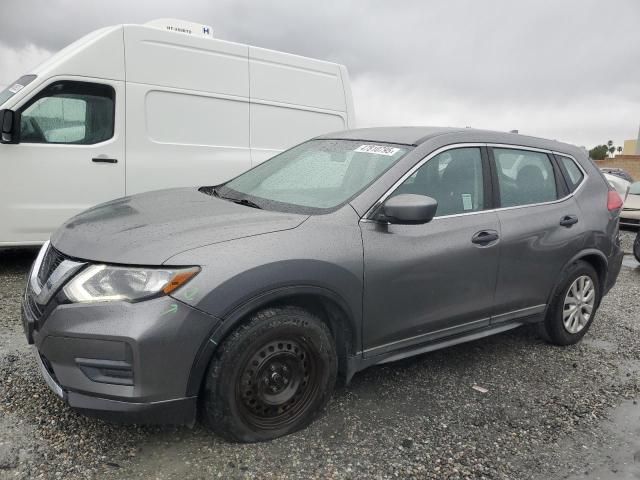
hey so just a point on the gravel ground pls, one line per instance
(549, 412)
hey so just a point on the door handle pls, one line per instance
(485, 237)
(568, 220)
(104, 160)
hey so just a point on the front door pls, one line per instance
(425, 282)
(71, 156)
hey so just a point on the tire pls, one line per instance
(636, 246)
(561, 325)
(271, 376)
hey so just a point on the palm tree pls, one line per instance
(619, 149)
(611, 148)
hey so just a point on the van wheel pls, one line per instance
(271, 376)
(573, 306)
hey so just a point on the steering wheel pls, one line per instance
(38, 133)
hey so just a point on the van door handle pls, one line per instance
(104, 160)
(485, 237)
(569, 220)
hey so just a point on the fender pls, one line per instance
(591, 251)
(234, 317)
(581, 254)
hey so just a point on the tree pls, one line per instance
(619, 149)
(599, 152)
(612, 150)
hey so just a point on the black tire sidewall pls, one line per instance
(553, 325)
(222, 407)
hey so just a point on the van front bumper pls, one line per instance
(125, 362)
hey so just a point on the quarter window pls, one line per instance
(573, 174)
(454, 178)
(70, 113)
(524, 177)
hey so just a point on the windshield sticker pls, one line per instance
(378, 150)
(467, 204)
(16, 88)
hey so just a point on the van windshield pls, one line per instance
(15, 87)
(314, 177)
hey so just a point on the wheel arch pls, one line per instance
(593, 257)
(325, 303)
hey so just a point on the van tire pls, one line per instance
(553, 329)
(271, 376)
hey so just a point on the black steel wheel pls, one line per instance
(271, 376)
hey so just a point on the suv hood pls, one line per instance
(149, 228)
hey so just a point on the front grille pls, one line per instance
(52, 259)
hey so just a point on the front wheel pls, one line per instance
(636, 246)
(271, 376)
(573, 306)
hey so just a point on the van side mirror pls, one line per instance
(409, 209)
(9, 126)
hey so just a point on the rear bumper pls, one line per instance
(614, 266)
(630, 218)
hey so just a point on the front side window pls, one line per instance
(524, 177)
(454, 178)
(69, 113)
(315, 176)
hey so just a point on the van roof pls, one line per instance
(417, 135)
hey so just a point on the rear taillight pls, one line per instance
(614, 201)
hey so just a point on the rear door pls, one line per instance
(426, 282)
(69, 158)
(540, 229)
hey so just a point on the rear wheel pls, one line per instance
(271, 376)
(573, 306)
(636, 246)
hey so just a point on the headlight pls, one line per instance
(104, 283)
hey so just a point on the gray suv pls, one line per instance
(246, 301)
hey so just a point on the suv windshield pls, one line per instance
(15, 87)
(314, 177)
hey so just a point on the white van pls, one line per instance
(132, 108)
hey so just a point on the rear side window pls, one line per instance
(70, 113)
(572, 173)
(454, 178)
(524, 177)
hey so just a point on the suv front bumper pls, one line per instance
(127, 362)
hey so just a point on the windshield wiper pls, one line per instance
(246, 202)
(240, 201)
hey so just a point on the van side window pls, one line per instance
(524, 177)
(70, 113)
(572, 173)
(454, 178)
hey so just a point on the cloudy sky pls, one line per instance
(567, 69)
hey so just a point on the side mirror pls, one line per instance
(8, 126)
(410, 209)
